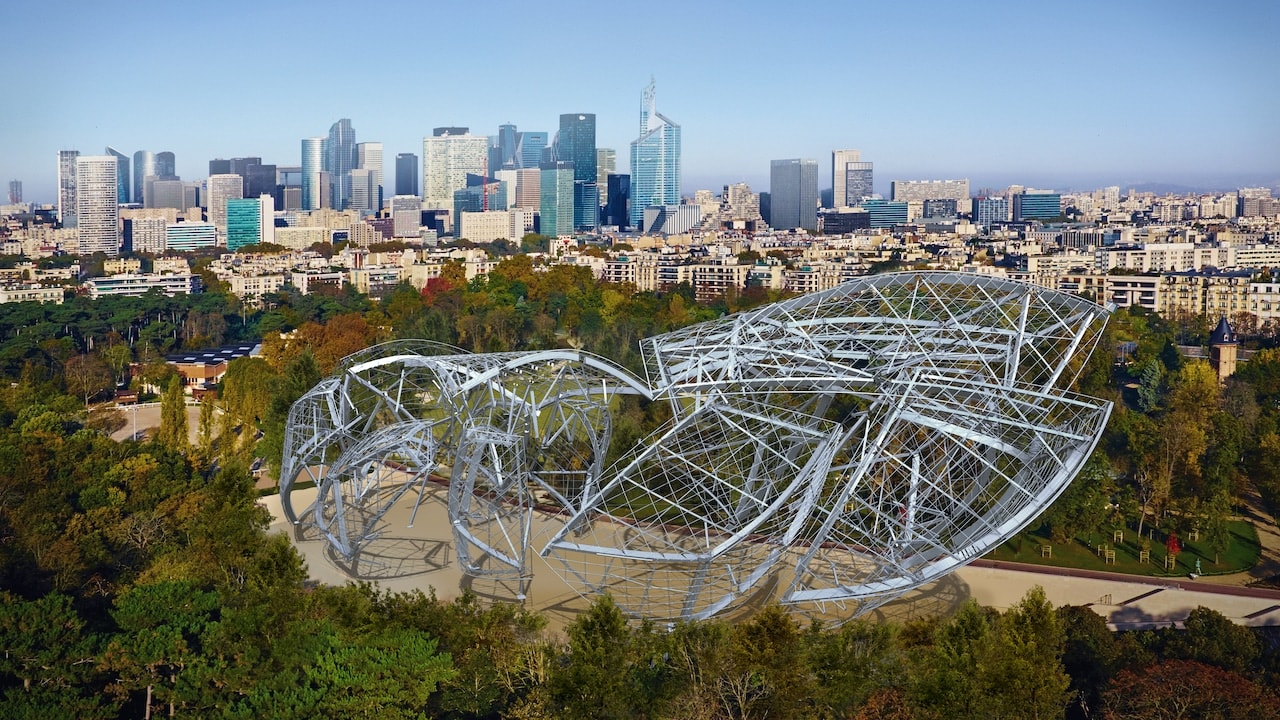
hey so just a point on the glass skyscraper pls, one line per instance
(166, 166)
(312, 166)
(577, 145)
(340, 160)
(793, 194)
(529, 149)
(144, 165)
(655, 160)
(556, 201)
(250, 221)
(67, 187)
(406, 174)
(123, 178)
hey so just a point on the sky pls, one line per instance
(1049, 95)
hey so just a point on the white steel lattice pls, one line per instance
(832, 451)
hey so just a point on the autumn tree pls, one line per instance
(87, 376)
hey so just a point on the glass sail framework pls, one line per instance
(832, 451)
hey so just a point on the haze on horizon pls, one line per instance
(1003, 92)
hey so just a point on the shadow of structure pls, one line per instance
(394, 557)
(940, 598)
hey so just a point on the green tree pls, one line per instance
(1214, 523)
(173, 432)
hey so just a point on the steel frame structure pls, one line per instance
(832, 451)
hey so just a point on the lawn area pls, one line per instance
(1086, 552)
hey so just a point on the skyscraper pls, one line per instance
(793, 194)
(15, 191)
(446, 161)
(556, 197)
(406, 174)
(530, 148)
(655, 160)
(369, 157)
(576, 143)
(312, 166)
(67, 187)
(144, 164)
(124, 181)
(250, 221)
(617, 198)
(219, 167)
(850, 178)
(97, 209)
(221, 189)
(166, 166)
(340, 159)
(364, 190)
(508, 139)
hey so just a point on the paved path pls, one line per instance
(1268, 566)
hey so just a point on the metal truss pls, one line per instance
(832, 451)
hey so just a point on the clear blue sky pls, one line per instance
(1054, 95)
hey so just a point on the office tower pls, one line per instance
(312, 166)
(480, 195)
(987, 211)
(97, 209)
(940, 208)
(15, 192)
(165, 193)
(188, 236)
(508, 142)
(655, 160)
(918, 190)
(617, 198)
(406, 174)
(221, 189)
(850, 178)
(450, 130)
(369, 157)
(67, 187)
(510, 180)
(260, 180)
(144, 164)
(884, 213)
(576, 143)
(530, 148)
(529, 188)
(250, 221)
(793, 194)
(219, 167)
(447, 159)
(364, 190)
(1036, 205)
(340, 159)
(166, 165)
(556, 196)
(124, 181)
(606, 163)
(191, 195)
(406, 215)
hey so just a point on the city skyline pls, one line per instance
(1002, 94)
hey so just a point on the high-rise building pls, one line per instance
(447, 159)
(576, 143)
(793, 194)
(340, 160)
(220, 167)
(124, 181)
(364, 190)
(618, 195)
(606, 163)
(851, 179)
(1036, 205)
(166, 165)
(510, 180)
(144, 164)
(67, 187)
(655, 160)
(164, 193)
(221, 189)
(148, 235)
(406, 174)
(530, 148)
(312, 166)
(480, 195)
(556, 197)
(508, 140)
(917, 190)
(884, 213)
(529, 188)
(15, 192)
(406, 215)
(250, 221)
(369, 157)
(97, 206)
(990, 210)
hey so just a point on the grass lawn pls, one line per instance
(1085, 552)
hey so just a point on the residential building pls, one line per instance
(67, 187)
(485, 227)
(556, 198)
(30, 292)
(406, 174)
(655, 160)
(851, 178)
(149, 235)
(406, 215)
(670, 219)
(97, 210)
(141, 284)
(793, 193)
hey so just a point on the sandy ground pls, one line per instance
(141, 422)
(421, 556)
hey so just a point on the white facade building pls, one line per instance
(446, 160)
(97, 207)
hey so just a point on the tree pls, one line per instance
(87, 375)
(1214, 523)
(1187, 689)
(173, 418)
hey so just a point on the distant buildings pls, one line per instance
(655, 160)
(1036, 205)
(793, 194)
(97, 208)
(576, 144)
(990, 210)
(406, 174)
(447, 158)
(221, 189)
(530, 148)
(369, 157)
(340, 160)
(250, 221)
(144, 165)
(15, 192)
(123, 177)
(312, 166)
(851, 179)
(556, 196)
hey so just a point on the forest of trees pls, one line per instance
(138, 577)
